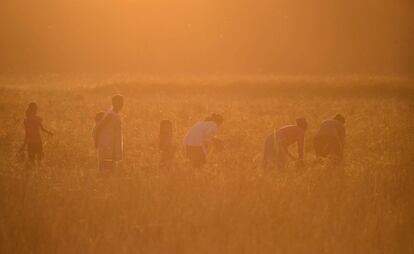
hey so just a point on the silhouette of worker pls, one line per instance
(330, 138)
(199, 137)
(276, 147)
(33, 140)
(108, 135)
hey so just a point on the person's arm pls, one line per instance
(44, 130)
(208, 136)
(286, 151)
(103, 122)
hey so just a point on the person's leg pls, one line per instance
(31, 153)
(199, 157)
(32, 157)
(321, 144)
(39, 156)
(281, 159)
(108, 165)
(317, 146)
(335, 148)
(202, 157)
(191, 155)
(196, 156)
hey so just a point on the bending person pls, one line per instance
(199, 137)
(330, 139)
(276, 147)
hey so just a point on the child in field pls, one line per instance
(166, 145)
(33, 140)
(330, 138)
(199, 137)
(276, 147)
(98, 117)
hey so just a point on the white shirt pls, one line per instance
(201, 133)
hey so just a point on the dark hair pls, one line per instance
(218, 119)
(302, 123)
(31, 109)
(116, 98)
(99, 116)
(340, 118)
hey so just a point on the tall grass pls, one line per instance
(230, 206)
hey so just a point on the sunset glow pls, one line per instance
(206, 126)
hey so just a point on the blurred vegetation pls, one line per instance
(361, 206)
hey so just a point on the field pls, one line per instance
(363, 205)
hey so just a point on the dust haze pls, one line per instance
(208, 37)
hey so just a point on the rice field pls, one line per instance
(363, 205)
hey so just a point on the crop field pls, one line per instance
(363, 205)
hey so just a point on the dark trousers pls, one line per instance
(327, 145)
(196, 156)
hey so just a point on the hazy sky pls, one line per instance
(310, 37)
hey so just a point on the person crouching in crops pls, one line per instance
(33, 140)
(330, 138)
(276, 146)
(108, 133)
(199, 137)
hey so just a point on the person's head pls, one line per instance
(99, 116)
(166, 128)
(218, 119)
(340, 118)
(301, 123)
(31, 109)
(117, 102)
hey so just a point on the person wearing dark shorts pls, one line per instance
(330, 138)
(33, 140)
(199, 137)
(196, 155)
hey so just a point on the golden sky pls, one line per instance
(309, 37)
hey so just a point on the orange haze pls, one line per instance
(315, 37)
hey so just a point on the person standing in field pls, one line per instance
(199, 137)
(33, 139)
(330, 138)
(276, 146)
(108, 136)
(166, 145)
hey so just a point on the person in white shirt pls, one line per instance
(198, 138)
(330, 138)
(108, 134)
